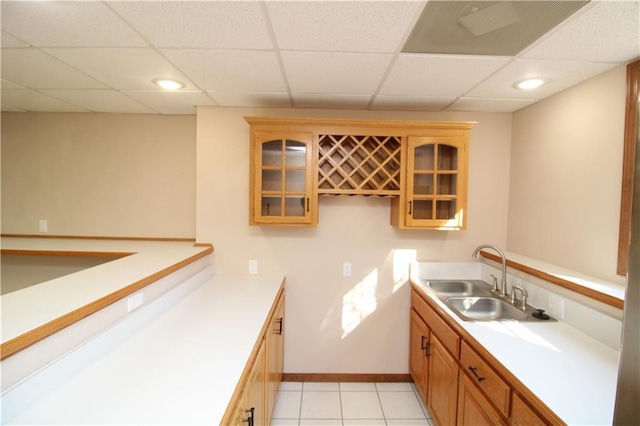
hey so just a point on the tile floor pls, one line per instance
(349, 404)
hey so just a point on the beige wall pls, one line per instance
(566, 171)
(322, 304)
(127, 175)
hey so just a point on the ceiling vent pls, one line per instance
(500, 28)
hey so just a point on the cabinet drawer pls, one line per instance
(485, 378)
(449, 339)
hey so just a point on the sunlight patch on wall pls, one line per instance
(359, 303)
(402, 259)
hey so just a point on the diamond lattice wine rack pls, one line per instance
(359, 165)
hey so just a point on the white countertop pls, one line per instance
(572, 373)
(26, 309)
(176, 360)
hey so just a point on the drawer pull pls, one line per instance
(279, 322)
(249, 420)
(410, 206)
(427, 350)
(473, 370)
(423, 345)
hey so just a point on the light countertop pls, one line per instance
(176, 360)
(573, 374)
(26, 309)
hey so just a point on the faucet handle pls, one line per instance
(494, 288)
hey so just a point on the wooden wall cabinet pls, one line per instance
(256, 393)
(459, 385)
(282, 186)
(435, 194)
(421, 165)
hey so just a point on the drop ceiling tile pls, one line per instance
(10, 41)
(606, 31)
(230, 70)
(490, 105)
(344, 73)
(101, 101)
(67, 24)
(438, 76)
(343, 26)
(243, 99)
(31, 100)
(411, 103)
(561, 75)
(307, 100)
(122, 68)
(198, 24)
(26, 67)
(168, 102)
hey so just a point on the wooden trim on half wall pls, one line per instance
(345, 377)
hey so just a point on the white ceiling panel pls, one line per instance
(10, 41)
(411, 103)
(67, 24)
(37, 70)
(561, 75)
(343, 26)
(178, 102)
(31, 100)
(230, 70)
(198, 24)
(334, 72)
(607, 31)
(490, 105)
(305, 100)
(122, 68)
(241, 99)
(438, 76)
(298, 53)
(100, 101)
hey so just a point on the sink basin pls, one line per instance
(485, 309)
(452, 288)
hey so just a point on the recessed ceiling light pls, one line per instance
(530, 83)
(168, 84)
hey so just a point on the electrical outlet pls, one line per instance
(346, 269)
(134, 302)
(253, 267)
(556, 306)
(43, 225)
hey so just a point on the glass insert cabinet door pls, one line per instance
(283, 185)
(436, 182)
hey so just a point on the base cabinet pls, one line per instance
(459, 383)
(256, 393)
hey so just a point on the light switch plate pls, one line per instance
(43, 225)
(346, 269)
(134, 302)
(253, 267)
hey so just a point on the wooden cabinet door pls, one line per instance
(436, 182)
(275, 355)
(255, 391)
(283, 187)
(442, 395)
(418, 359)
(521, 414)
(473, 407)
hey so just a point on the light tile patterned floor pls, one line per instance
(349, 404)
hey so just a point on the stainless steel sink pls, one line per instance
(472, 300)
(452, 288)
(485, 309)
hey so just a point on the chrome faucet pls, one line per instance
(503, 282)
(524, 295)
